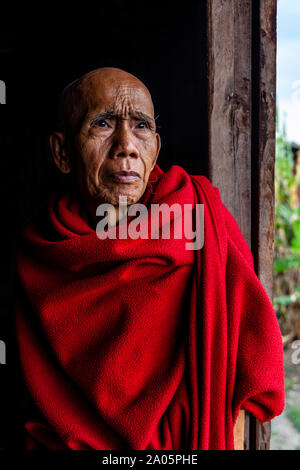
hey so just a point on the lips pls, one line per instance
(125, 176)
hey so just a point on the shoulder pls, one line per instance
(209, 195)
(225, 223)
(206, 185)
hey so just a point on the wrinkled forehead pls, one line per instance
(112, 95)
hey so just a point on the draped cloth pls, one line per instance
(142, 343)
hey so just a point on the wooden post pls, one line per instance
(229, 113)
(263, 160)
(241, 121)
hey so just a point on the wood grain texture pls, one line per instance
(229, 68)
(239, 431)
(241, 57)
(263, 161)
(229, 119)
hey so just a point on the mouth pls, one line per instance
(125, 176)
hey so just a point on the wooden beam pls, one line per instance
(241, 121)
(229, 121)
(263, 161)
(239, 433)
(229, 113)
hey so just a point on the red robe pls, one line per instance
(143, 344)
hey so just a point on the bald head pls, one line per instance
(102, 85)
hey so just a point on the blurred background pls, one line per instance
(286, 428)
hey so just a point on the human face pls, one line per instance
(116, 145)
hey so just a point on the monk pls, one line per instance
(136, 342)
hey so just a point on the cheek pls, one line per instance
(148, 156)
(91, 154)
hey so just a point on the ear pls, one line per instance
(59, 154)
(158, 145)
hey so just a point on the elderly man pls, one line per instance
(136, 343)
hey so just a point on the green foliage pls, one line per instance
(284, 300)
(293, 414)
(295, 243)
(284, 264)
(287, 214)
(288, 383)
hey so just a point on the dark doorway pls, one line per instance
(41, 50)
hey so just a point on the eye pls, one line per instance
(100, 123)
(142, 125)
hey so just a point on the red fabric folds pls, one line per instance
(141, 343)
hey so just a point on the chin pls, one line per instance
(132, 197)
(110, 195)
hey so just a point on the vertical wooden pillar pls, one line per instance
(229, 70)
(241, 121)
(263, 160)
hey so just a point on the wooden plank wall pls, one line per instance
(241, 121)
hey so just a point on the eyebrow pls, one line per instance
(137, 115)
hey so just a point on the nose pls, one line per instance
(123, 142)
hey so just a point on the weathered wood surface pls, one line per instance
(263, 160)
(229, 69)
(241, 147)
(229, 115)
(239, 431)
